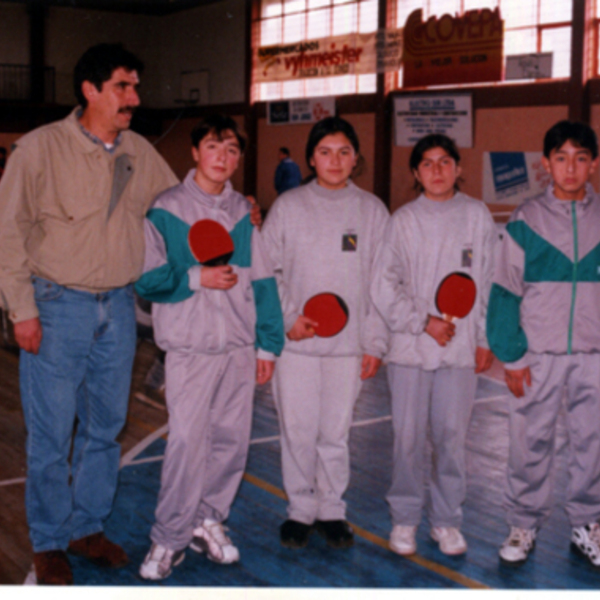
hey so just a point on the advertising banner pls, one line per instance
(418, 115)
(513, 177)
(353, 54)
(459, 49)
(303, 110)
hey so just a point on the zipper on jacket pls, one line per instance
(574, 285)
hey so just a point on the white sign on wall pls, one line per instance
(416, 116)
(303, 110)
(529, 66)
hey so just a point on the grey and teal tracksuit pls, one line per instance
(210, 338)
(544, 313)
(323, 240)
(432, 387)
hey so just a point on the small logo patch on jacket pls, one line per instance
(467, 257)
(349, 242)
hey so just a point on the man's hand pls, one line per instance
(255, 214)
(303, 328)
(514, 380)
(370, 366)
(483, 359)
(264, 370)
(28, 335)
(440, 330)
(218, 278)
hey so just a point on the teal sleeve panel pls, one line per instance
(588, 268)
(169, 283)
(269, 318)
(241, 235)
(543, 261)
(505, 335)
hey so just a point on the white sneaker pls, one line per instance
(159, 562)
(516, 547)
(210, 537)
(402, 539)
(586, 541)
(450, 540)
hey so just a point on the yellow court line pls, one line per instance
(382, 543)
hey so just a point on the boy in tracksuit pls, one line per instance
(544, 323)
(208, 319)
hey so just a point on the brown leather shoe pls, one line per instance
(98, 549)
(52, 568)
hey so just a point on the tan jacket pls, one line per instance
(54, 205)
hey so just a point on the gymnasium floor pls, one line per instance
(260, 508)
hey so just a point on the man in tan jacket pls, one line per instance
(72, 204)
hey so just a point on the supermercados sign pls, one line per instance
(447, 49)
(341, 55)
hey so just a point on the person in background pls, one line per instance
(287, 174)
(433, 362)
(544, 324)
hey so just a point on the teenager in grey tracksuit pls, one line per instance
(322, 237)
(210, 335)
(544, 323)
(432, 373)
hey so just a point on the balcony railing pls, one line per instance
(22, 83)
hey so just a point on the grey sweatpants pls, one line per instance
(439, 401)
(209, 398)
(315, 397)
(532, 428)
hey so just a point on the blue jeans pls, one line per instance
(83, 370)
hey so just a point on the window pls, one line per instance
(289, 21)
(530, 26)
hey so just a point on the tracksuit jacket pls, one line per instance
(191, 319)
(426, 240)
(545, 296)
(323, 240)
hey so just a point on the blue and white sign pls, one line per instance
(513, 177)
(303, 110)
(509, 170)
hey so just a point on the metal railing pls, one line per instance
(22, 83)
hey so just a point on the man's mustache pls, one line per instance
(127, 109)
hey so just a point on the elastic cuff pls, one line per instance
(264, 355)
(194, 278)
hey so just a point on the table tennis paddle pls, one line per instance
(210, 243)
(329, 311)
(455, 296)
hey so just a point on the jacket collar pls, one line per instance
(86, 140)
(221, 200)
(553, 201)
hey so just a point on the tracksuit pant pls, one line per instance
(555, 379)
(438, 402)
(209, 398)
(315, 398)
